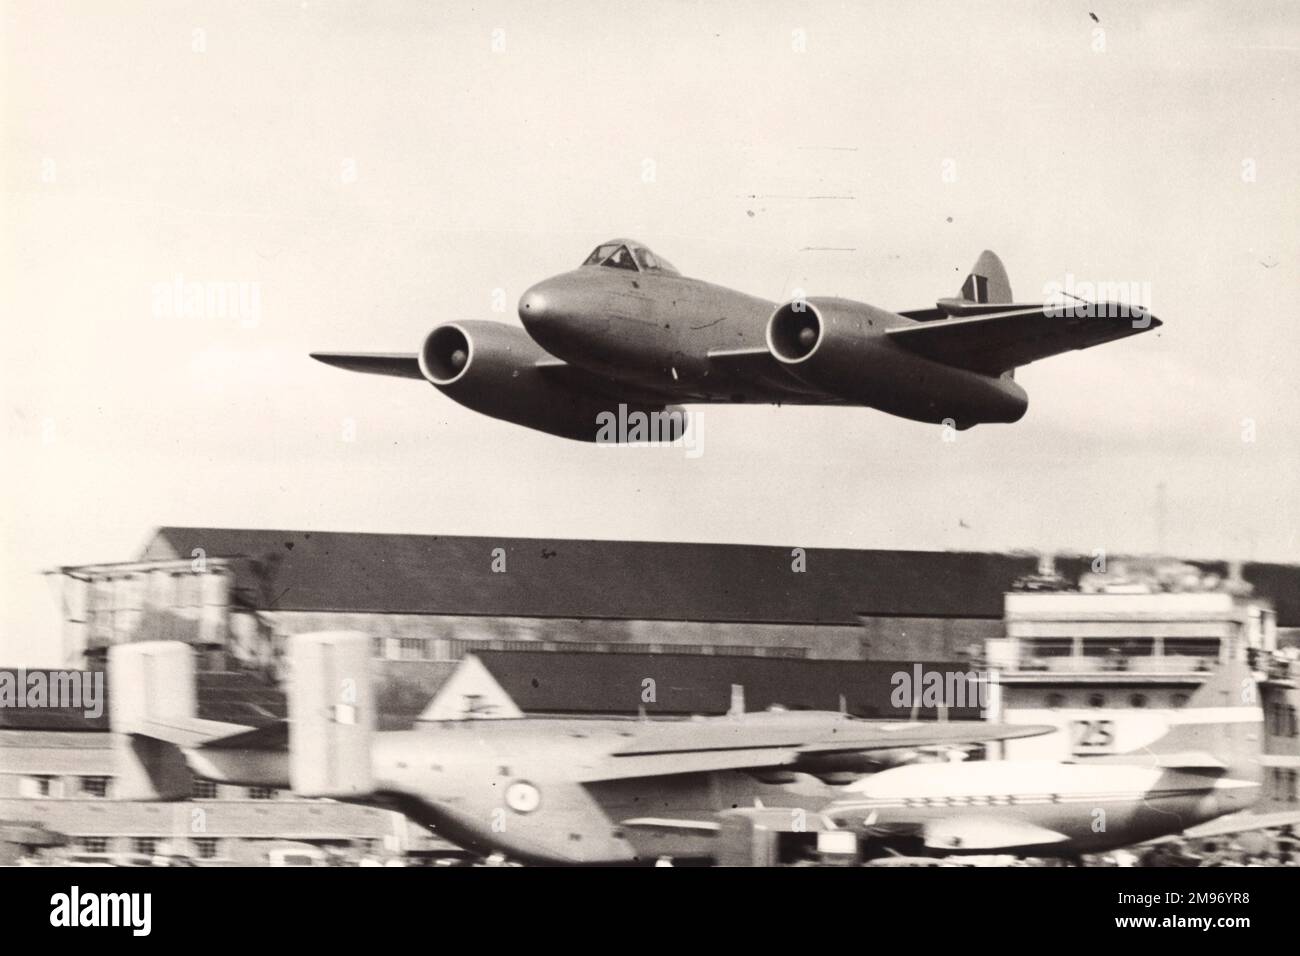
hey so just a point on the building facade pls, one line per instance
(1110, 669)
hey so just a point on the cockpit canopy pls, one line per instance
(629, 254)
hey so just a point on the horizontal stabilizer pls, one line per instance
(998, 342)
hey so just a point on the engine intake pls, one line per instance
(446, 354)
(843, 348)
(794, 331)
(494, 370)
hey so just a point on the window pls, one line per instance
(1050, 646)
(145, 845)
(1055, 701)
(94, 786)
(39, 785)
(204, 789)
(1206, 648)
(1040, 653)
(622, 259)
(1096, 700)
(411, 649)
(94, 844)
(619, 254)
(1138, 700)
(261, 793)
(205, 848)
(1178, 700)
(601, 253)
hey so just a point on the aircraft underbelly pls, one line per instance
(1087, 825)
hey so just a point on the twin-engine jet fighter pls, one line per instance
(626, 333)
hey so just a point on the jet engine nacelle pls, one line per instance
(841, 347)
(493, 369)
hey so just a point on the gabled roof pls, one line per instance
(556, 577)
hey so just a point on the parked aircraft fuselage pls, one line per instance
(512, 786)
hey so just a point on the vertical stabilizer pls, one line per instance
(1223, 720)
(331, 714)
(151, 683)
(987, 281)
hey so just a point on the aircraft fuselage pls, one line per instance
(512, 786)
(658, 330)
(1094, 807)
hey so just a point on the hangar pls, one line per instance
(549, 617)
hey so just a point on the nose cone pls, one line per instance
(551, 312)
(534, 304)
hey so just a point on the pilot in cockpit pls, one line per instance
(618, 254)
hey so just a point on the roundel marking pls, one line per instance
(523, 797)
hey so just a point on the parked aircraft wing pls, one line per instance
(401, 365)
(1199, 760)
(999, 342)
(773, 819)
(1236, 823)
(760, 742)
(912, 735)
(987, 833)
(672, 825)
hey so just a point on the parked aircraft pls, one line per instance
(558, 790)
(1206, 766)
(626, 338)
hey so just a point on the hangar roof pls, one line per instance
(592, 683)
(631, 580)
(638, 580)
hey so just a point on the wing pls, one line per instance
(580, 380)
(1241, 823)
(740, 375)
(753, 375)
(403, 365)
(397, 364)
(727, 744)
(995, 343)
(773, 819)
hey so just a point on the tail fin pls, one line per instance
(152, 685)
(331, 714)
(1221, 728)
(987, 282)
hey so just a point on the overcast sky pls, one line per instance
(370, 170)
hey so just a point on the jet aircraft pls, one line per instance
(625, 334)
